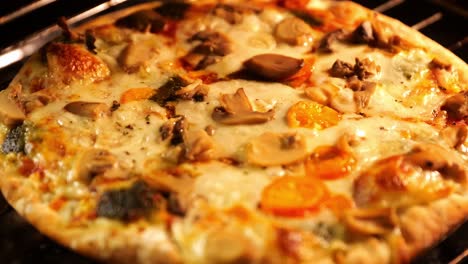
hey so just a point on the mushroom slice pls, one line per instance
(457, 107)
(212, 43)
(213, 46)
(143, 21)
(236, 109)
(87, 109)
(195, 91)
(273, 67)
(325, 44)
(431, 157)
(233, 14)
(370, 221)
(271, 149)
(456, 137)
(175, 181)
(199, 146)
(10, 113)
(363, 34)
(94, 162)
(362, 69)
(137, 55)
(173, 9)
(293, 31)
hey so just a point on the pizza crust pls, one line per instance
(110, 242)
(428, 44)
(420, 226)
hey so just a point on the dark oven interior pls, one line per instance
(29, 23)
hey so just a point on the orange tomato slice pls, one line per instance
(329, 163)
(312, 115)
(135, 94)
(293, 196)
(338, 204)
(302, 75)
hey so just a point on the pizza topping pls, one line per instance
(341, 69)
(66, 32)
(233, 14)
(92, 110)
(136, 94)
(236, 109)
(293, 31)
(445, 76)
(137, 55)
(457, 107)
(127, 204)
(330, 162)
(325, 44)
(199, 146)
(31, 102)
(312, 115)
(362, 69)
(363, 34)
(370, 221)
(178, 131)
(434, 158)
(94, 162)
(143, 21)
(289, 241)
(456, 137)
(293, 196)
(273, 67)
(355, 98)
(195, 91)
(175, 184)
(272, 149)
(213, 45)
(70, 62)
(167, 92)
(90, 41)
(173, 10)
(422, 175)
(14, 140)
(10, 113)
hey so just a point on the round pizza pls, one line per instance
(288, 131)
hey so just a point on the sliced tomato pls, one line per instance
(330, 163)
(312, 115)
(338, 203)
(293, 196)
(302, 75)
(135, 94)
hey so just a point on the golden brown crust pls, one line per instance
(417, 38)
(422, 226)
(112, 243)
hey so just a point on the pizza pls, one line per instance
(287, 131)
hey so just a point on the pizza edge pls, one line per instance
(112, 243)
(425, 225)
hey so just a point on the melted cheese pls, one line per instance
(132, 132)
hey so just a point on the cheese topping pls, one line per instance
(156, 107)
